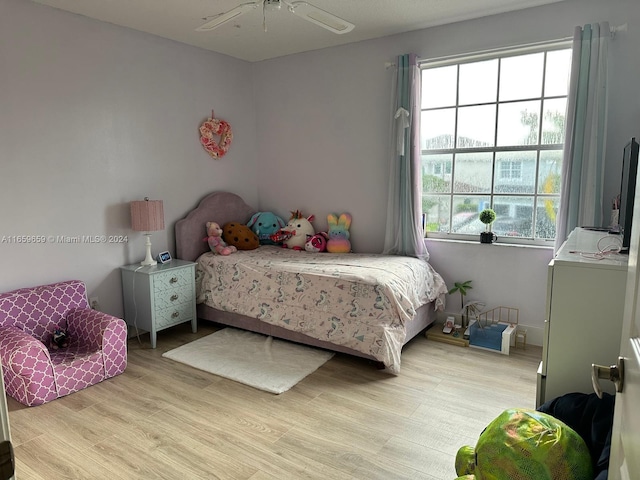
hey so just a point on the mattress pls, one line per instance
(360, 301)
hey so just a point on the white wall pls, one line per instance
(93, 116)
(323, 138)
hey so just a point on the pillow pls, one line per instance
(240, 236)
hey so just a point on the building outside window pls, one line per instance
(492, 135)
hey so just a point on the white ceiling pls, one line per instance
(245, 38)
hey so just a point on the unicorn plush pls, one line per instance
(299, 228)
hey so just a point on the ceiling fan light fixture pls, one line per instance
(226, 17)
(320, 17)
(272, 5)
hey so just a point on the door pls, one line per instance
(624, 461)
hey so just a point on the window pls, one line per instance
(510, 170)
(492, 135)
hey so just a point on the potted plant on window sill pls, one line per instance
(487, 216)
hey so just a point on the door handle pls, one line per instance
(614, 373)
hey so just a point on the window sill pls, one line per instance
(427, 240)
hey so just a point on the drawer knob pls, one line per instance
(173, 280)
(175, 315)
(174, 298)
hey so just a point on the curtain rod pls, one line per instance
(619, 28)
(612, 30)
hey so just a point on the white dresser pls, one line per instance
(585, 304)
(159, 296)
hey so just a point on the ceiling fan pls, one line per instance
(303, 10)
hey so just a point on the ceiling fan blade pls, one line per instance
(320, 17)
(227, 16)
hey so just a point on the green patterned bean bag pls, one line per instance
(524, 444)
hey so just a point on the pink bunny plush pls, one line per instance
(339, 233)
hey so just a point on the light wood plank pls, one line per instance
(347, 420)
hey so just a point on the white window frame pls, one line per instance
(563, 44)
(511, 173)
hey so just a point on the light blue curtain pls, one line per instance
(581, 195)
(404, 235)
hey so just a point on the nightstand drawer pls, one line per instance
(174, 315)
(174, 297)
(175, 279)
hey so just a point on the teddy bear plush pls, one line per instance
(216, 243)
(526, 444)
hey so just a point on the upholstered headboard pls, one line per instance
(220, 207)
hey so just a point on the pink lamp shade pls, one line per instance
(147, 215)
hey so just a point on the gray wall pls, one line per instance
(93, 116)
(323, 137)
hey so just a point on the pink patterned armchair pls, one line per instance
(35, 374)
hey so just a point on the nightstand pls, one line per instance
(159, 296)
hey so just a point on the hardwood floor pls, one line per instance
(347, 420)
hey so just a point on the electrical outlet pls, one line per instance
(94, 302)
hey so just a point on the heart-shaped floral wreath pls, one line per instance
(213, 127)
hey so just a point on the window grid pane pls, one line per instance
(498, 145)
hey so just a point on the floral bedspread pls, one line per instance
(361, 301)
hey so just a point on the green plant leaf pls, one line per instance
(487, 216)
(461, 287)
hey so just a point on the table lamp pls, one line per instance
(147, 216)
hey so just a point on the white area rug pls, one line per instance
(250, 358)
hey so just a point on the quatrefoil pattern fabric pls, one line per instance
(35, 374)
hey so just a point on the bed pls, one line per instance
(367, 305)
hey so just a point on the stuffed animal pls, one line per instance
(59, 339)
(239, 236)
(280, 236)
(317, 243)
(526, 444)
(339, 233)
(216, 243)
(299, 228)
(264, 225)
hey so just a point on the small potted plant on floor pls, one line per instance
(487, 216)
(461, 288)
